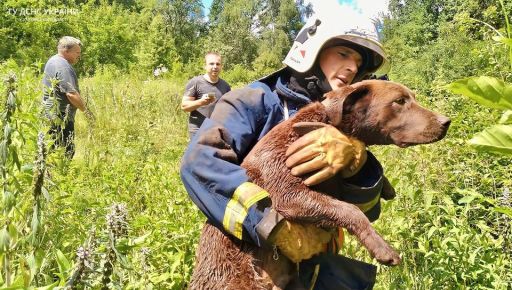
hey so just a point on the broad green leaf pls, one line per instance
(497, 139)
(35, 260)
(15, 157)
(45, 193)
(5, 240)
(467, 199)
(427, 197)
(48, 287)
(178, 258)
(18, 283)
(62, 261)
(506, 118)
(504, 210)
(487, 91)
(431, 232)
(124, 245)
(505, 40)
(139, 240)
(27, 167)
(160, 278)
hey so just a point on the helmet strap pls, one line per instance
(321, 81)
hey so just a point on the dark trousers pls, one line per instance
(64, 136)
(336, 272)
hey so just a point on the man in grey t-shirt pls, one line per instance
(61, 96)
(203, 92)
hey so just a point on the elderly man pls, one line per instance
(61, 96)
(203, 92)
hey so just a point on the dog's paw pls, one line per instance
(380, 249)
(387, 256)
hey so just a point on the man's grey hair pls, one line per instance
(68, 42)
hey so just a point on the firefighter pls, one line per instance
(327, 54)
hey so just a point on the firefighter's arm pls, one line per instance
(217, 184)
(211, 170)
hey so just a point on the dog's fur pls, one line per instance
(375, 112)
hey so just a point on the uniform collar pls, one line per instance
(282, 88)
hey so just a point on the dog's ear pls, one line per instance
(360, 91)
(342, 101)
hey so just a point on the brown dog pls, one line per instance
(375, 112)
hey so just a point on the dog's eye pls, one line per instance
(400, 101)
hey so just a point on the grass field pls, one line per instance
(446, 220)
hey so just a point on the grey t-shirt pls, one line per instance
(197, 87)
(63, 75)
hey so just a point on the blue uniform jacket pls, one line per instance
(210, 168)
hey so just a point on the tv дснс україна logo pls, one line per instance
(41, 14)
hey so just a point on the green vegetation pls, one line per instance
(117, 215)
(493, 93)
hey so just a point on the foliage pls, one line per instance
(158, 251)
(451, 219)
(108, 36)
(254, 33)
(493, 93)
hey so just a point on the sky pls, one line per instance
(206, 5)
(370, 8)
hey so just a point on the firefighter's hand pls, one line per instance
(324, 149)
(299, 241)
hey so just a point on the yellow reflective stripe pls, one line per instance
(254, 199)
(246, 195)
(364, 207)
(234, 217)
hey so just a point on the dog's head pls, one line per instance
(384, 112)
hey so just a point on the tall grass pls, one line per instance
(129, 155)
(442, 220)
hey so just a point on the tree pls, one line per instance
(279, 23)
(255, 33)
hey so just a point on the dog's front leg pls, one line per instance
(325, 211)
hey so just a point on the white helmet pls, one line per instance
(355, 32)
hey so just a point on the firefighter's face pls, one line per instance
(339, 65)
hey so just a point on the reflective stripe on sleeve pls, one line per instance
(246, 195)
(364, 207)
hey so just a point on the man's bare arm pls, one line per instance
(76, 100)
(189, 104)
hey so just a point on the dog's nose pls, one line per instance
(444, 121)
